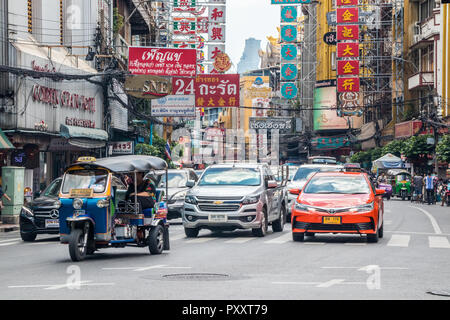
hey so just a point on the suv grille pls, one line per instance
(219, 208)
(201, 198)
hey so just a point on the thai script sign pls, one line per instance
(217, 90)
(162, 61)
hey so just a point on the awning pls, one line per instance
(4, 142)
(84, 137)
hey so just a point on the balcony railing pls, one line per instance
(421, 80)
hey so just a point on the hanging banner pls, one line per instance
(215, 50)
(184, 5)
(184, 26)
(162, 61)
(288, 52)
(217, 90)
(288, 72)
(216, 33)
(289, 90)
(217, 14)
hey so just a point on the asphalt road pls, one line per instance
(412, 259)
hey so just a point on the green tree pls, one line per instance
(394, 147)
(157, 149)
(416, 146)
(443, 149)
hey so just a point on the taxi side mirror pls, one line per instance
(294, 191)
(380, 192)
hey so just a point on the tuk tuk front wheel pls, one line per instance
(78, 241)
(156, 240)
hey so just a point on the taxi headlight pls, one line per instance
(77, 203)
(301, 207)
(364, 208)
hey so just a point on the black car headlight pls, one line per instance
(190, 199)
(27, 212)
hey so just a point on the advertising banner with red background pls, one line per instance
(346, 3)
(347, 15)
(348, 84)
(217, 90)
(347, 32)
(348, 50)
(162, 61)
(348, 67)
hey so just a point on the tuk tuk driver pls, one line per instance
(145, 191)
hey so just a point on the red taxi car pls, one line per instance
(338, 202)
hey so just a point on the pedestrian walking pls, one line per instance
(418, 187)
(429, 186)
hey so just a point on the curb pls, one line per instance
(8, 228)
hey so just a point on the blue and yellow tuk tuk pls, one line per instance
(98, 209)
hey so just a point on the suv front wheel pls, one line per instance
(262, 231)
(191, 232)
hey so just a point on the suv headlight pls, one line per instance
(27, 212)
(364, 208)
(250, 200)
(77, 203)
(180, 195)
(190, 199)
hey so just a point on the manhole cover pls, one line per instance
(443, 293)
(197, 277)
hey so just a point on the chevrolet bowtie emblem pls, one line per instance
(218, 202)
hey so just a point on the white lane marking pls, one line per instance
(387, 222)
(438, 242)
(434, 223)
(318, 243)
(355, 243)
(366, 268)
(298, 283)
(282, 239)
(420, 233)
(330, 283)
(9, 240)
(9, 243)
(239, 240)
(60, 286)
(398, 240)
(387, 210)
(201, 240)
(159, 266)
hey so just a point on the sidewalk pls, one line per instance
(8, 227)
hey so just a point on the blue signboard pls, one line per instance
(289, 72)
(290, 1)
(289, 14)
(288, 33)
(289, 90)
(288, 52)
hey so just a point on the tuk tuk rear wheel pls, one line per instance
(77, 244)
(156, 240)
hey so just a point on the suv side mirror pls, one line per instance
(272, 184)
(190, 183)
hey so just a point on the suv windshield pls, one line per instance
(53, 189)
(231, 177)
(340, 184)
(176, 180)
(85, 179)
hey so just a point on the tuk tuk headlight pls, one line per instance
(77, 203)
(57, 204)
(104, 203)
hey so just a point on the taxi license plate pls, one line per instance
(331, 220)
(51, 223)
(217, 218)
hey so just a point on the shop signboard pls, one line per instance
(147, 86)
(162, 61)
(217, 90)
(174, 106)
(122, 147)
(285, 125)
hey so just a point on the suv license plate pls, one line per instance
(331, 220)
(52, 223)
(217, 218)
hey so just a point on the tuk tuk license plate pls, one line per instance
(77, 213)
(331, 220)
(217, 218)
(51, 223)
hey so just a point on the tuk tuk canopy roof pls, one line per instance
(128, 163)
(395, 172)
(388, 161)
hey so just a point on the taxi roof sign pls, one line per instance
(86, 159)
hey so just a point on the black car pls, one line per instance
(41, 216)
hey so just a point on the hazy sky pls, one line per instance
(247, 19)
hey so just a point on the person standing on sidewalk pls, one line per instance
(3, 194)
(429, 186)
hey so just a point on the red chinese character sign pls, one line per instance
(347, 32)
(348, 67)
(348, 50)
(348, 84)
(347, 15)
(348, 3)
(162, 61)
(217, 91)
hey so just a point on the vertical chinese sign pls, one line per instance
(289, 52)
(348, 67)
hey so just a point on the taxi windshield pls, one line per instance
(85, 179)
(340, 185)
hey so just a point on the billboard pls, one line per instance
(325, 112)
(217, 90)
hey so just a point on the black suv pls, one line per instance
(41, 216)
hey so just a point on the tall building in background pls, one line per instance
(250, 58)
